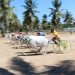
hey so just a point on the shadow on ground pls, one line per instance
(66, 67)
(28, 53)
(31, 53)
(5, 72)
(25, 68)
(21, 47)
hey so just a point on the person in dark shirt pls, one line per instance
(41, 33)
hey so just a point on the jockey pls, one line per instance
(56, 36)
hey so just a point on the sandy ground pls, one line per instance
(12, 62)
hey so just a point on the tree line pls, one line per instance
(10, 22)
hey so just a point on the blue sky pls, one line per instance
(42, 7)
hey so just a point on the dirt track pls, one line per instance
(32, 64)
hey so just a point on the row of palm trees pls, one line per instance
(56, 15)
(30, 19)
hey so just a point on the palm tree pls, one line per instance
(44, 21)
(5, 12)
(30, 10)
(35, 22)
(14, 23)
(68, 19)
(55, 13)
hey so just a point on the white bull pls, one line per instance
(38, 41)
